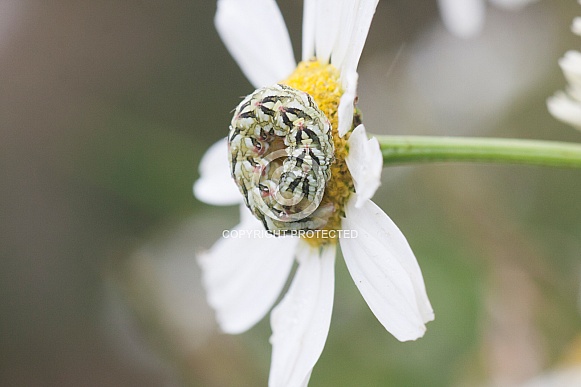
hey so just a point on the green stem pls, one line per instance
(422, 149)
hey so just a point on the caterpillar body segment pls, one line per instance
(280, 152)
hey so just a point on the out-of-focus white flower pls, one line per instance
(566, 105)
(563, 377)
(245, 271)
(468, 88)
(465, 18)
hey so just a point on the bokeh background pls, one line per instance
(105, 111)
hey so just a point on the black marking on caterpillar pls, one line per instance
(281, 151)
(266, 110)
(245, 105)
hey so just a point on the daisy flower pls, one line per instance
(465, 18)
(566, 105)
(307, 111)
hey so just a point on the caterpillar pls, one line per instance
(280, 153)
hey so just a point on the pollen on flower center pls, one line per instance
(322, 83)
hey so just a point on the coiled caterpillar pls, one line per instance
(280, 152)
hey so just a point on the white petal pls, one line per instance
(215, 185)
(244, 273)
(347, 23)
(356, 23)
(300, 323)
(346, 104)
(464, 18)
(328, 17)
(571, 65)
(564, 376)
(256, 36)
(576, 26)
(356, 20)
(365, 163)
(566, 109)
(309, 28)
(385, 270)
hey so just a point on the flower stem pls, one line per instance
(423, 149)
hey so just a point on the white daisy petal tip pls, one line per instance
(243, 274)
(576, 26)
(565, 109)
(386, 271)
(365, 163)
(246, 28)
(347, 102)
(357, 17)
(327, 27)
(300, 323)
(463, 18)
(215, 185)
(309, 28)
(570, 63)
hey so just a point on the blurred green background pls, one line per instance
(105, 111)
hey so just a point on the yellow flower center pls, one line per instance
(322, 83)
